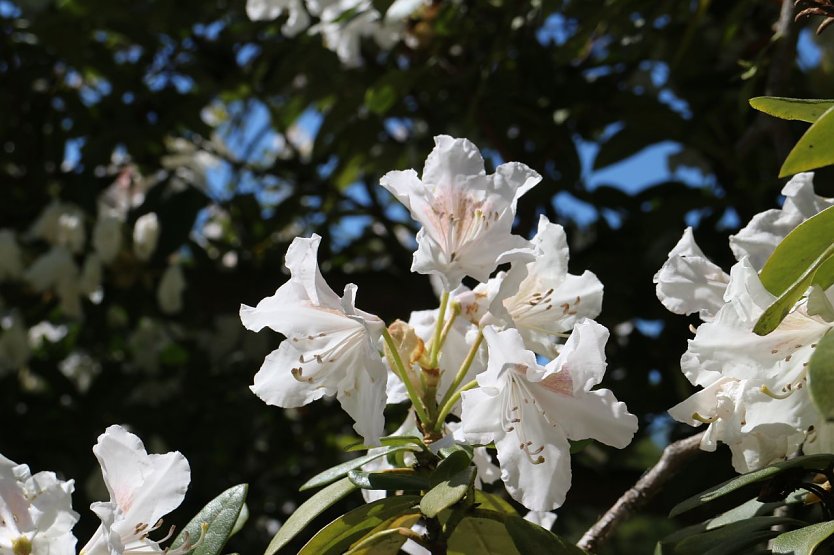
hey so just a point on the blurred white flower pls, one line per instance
(145, 235)
(61, 224)
(11, 260)
(56, 270)
(107, 236)
(14, 343)
(264, 10)
(171, 287)
(36, 513)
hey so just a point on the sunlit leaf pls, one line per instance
(821, 376)
(813, 150)
(391, 480)
(804, 541)
(334, 473)
(337, 536)
(309, 510)
(219, 518)
(802, 109)
(447, 493)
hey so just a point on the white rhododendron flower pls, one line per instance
(531, 411)
(11, 260)
(56, 270)
(342, 23)
(758, 239)
(754, 397)
(61, 224)
(539, 298)
(689, 282)
(145, 235)
(330, 347)
(143, 488)
(171, 287)
(14, 343)
(107, 236)
(466, 214)
(36, 513)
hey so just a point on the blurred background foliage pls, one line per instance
(239, 139)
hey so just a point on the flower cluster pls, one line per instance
(36, 513)
(515, 359)
(341, 23)
(753, 395)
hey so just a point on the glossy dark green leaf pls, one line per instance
(737, 538)
(309, 510)
(803, 541)
(757, 476)
(532, 538)
(218, 518)
(337, 536)
(483, 536)
(391, 441)
(802, 258)
(813, 150)
(386, 538)
(447, 492)
(334, 473)
(821, 376)
(493, 502)
(802, 109)
(391, 480)
(454, 462)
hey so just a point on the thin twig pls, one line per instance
(672, 459)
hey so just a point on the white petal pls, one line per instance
(689, 282)
(595, 415)
(759, 238)
(582, 357)
(276, 385)
(539, 476)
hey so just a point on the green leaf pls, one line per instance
(734, 484)
(337, 536)
(334, 473)
(813, 150)
(798, 251)
(484, 536)
(385, 539)
(803, 541)
(242, 518)
(532, 538)
(309, 510)
(821, 376)
(748, 509)
(802, 258)
(391, 441)
(736, 538)
(219, 518)
(493, 502)
(447, 493)
(454, 462)
(391, 480)
(802, 109)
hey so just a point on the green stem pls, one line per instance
(464, 368)
(450, 404)
(402, 373)
(438, 330)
